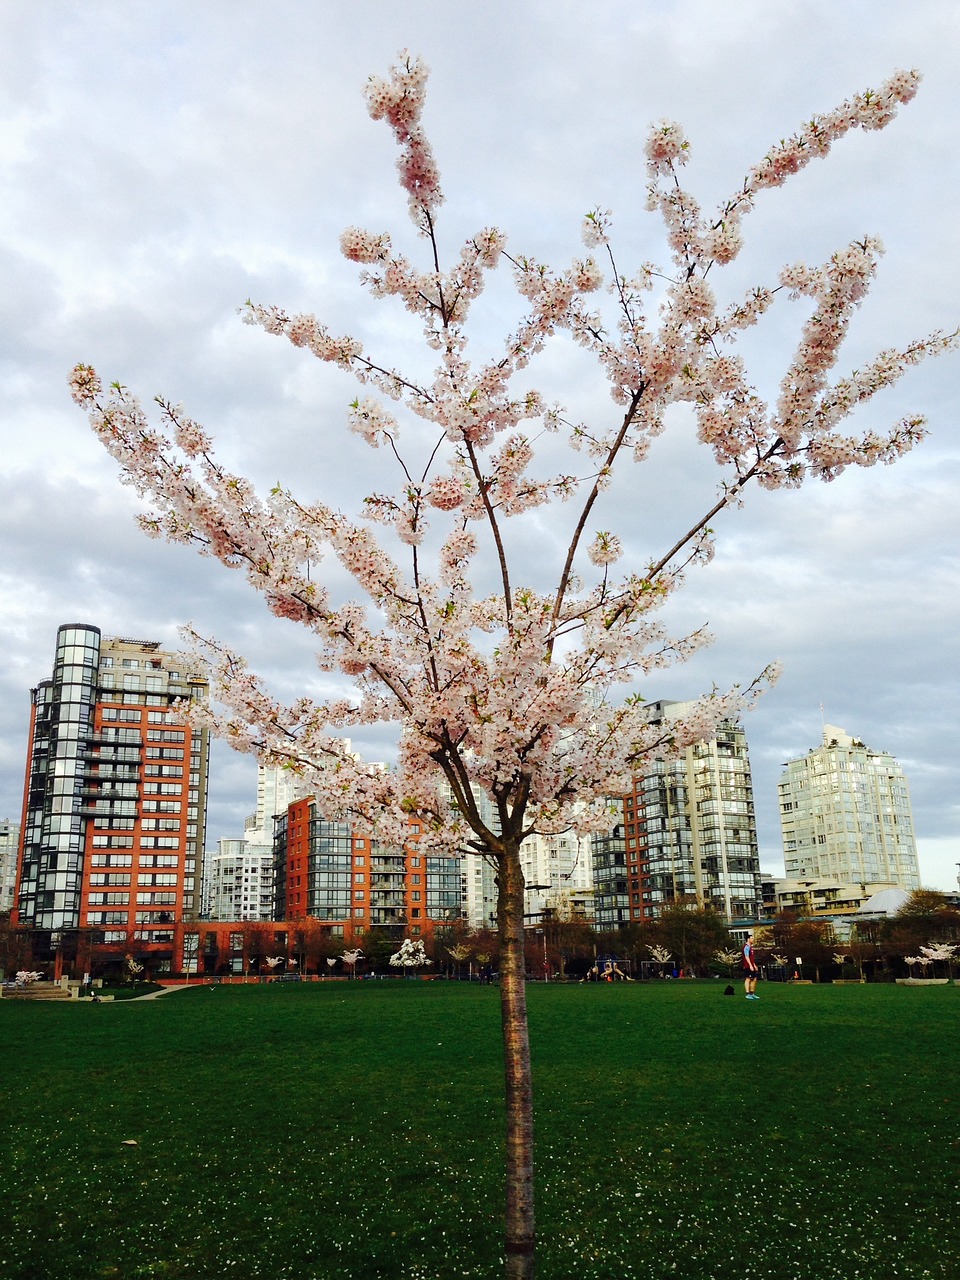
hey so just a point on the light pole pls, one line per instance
(541, 932)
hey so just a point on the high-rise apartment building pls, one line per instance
(351, 884)
(688, 834)
(9, 847)
(116, 793)
(558, 874)
(239, 881)
(478, 883)
(845, 815)
(276, 791)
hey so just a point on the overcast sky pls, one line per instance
(162, 162)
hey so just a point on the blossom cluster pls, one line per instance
(399, 100)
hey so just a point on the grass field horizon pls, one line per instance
(354, 1129)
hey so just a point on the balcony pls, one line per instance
(388, 899)
(387, 916)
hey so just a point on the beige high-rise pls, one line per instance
(845, 815)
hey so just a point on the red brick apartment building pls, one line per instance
(325, 872)
(114, 799)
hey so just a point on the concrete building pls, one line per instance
(817, 899)
(558, 873)
(276, 791)
(9, 846)
(478, 888)
(688, 834)
(846, 817)
(239, 880)
(116, 794)
(611, 887)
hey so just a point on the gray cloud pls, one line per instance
(160, 164)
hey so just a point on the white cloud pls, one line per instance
(162, 163)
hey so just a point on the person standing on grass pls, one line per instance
(750, 970)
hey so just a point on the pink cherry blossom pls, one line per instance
(498, 685)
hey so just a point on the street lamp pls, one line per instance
(541, 888)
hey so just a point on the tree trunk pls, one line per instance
(520, 1237)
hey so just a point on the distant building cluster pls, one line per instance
(109, 849)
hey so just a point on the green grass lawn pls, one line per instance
(353, 1129)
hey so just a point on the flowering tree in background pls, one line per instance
(410, 956)
(941, 952)
(458, 954)
(509, 663)
(726, 961)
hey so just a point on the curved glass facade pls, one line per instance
(53, 842)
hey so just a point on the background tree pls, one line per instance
(315, 945)
(486, 950)
(692, 935)
(925, 917)
(377, 948)
(570, 942)
(509, 673)
(257, 943)
(454, 935)
(928, 904)
(459, 953)
(411, 956)
(810, 940)
(862, 952)
(16, 951)
(726, 961)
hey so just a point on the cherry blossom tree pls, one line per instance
(662, 956)
(458, 954)
(508, 667)
(410, 956)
